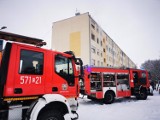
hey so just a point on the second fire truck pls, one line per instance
(110, 83)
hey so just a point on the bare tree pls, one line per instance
(153, 66)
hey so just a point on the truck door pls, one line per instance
(136, 75)
(123, 88)
(29, 73)
(64, 78)
(139, 77)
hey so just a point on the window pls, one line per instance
(97, 41)
(101, 32)
(143, 75)
(93, 62)
(31, 62)
(101, 43)
(104, 50)
(143, 79)
(93, 49)
(101, 63)
(97, 30)
(93, 36)
(103, 40)
(107, 47)
(98, 52)
(64, 68)
(98, 63)
(93, 26)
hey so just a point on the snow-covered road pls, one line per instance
(121, 109)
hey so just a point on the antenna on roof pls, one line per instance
(77, 12)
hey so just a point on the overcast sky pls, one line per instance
(133, 24)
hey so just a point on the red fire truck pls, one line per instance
(110, 83)
(42, 84)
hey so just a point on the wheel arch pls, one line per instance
(47, 102)
(109, 97)
(110, 91)
(55, 105)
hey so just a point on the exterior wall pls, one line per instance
(87, 39)
(72, 34)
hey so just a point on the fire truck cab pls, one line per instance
(110, 83)
(139, 82)
(42, 83)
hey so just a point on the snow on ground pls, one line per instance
(121, 109)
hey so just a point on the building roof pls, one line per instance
(19, 38)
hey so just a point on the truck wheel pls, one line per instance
(51, 115)
(109, 98)
(142, 95)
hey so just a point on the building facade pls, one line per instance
(89, 41)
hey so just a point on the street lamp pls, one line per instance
(4, 27)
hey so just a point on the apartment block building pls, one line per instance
(82, 34)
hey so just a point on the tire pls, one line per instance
(142, 95)
(109, 98)
(51, 115)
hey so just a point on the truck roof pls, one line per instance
(19, 38)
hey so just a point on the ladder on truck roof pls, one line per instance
(20, 38)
